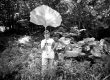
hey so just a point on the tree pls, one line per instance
(88, 14)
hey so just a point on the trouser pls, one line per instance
(47, 63)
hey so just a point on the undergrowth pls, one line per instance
(23, 62)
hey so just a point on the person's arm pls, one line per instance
(53, 45)
(43, 45)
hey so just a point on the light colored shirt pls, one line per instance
(48, 51)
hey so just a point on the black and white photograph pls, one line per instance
(54, 39)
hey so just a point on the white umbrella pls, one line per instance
(46, 16)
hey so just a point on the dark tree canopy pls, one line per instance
(88, 14)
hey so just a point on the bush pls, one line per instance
(23, 61)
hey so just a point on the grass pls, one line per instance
(23, 62)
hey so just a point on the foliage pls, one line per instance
(88, 14)
(23, 61)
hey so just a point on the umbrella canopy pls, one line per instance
(46, 16)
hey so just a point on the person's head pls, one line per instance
(46, 34)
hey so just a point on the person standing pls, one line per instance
(47, 47)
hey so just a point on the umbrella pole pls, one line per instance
(45, 29)
(45, 33)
